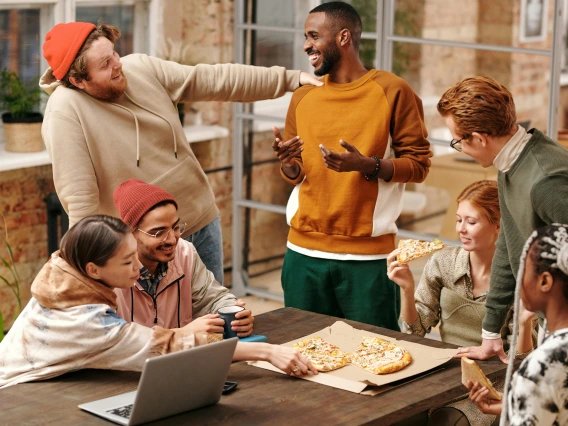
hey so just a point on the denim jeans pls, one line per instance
(208, 242)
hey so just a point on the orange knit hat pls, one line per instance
(63, 43)
(134, 198)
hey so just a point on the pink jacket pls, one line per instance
(187, 291)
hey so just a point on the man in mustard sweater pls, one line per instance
(349, 147)
(109, 119)
(533, 185)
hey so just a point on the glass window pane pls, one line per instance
(264, 246)
(432, 69)
(277, 13)
(367, 9)
(119, 16)
(529, 24)
(272, 48)
(19, 42)
(367, 52)
(268, 48)
(262, 181)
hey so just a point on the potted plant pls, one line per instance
(22, 122)
(11, 279)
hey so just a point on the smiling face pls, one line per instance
(320, 44)
(122, 269)
(106, 79)
(475, 231)
(152, 250)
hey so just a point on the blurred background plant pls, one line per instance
(17, 98)
(11, 279)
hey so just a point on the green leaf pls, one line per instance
(16, 97)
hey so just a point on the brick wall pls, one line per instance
(207, 27)
(21, 202)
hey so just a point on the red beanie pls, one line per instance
(134, 198)
(63, 43)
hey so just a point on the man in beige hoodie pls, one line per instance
(109, 119)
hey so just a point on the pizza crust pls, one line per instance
(472, 372)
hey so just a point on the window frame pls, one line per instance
(148, 22)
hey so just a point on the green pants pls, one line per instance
(353, 289)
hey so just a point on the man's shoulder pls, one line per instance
(184, 251)
(64, 98)
(301, 92)
(389, 81)
(133, 59)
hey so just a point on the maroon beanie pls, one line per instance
(63, 43)
(134, 198)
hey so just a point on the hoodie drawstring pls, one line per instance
(137, 133)
(179, 301)
(131, 305)
(155, 113)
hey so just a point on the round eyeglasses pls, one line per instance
(163, 234)
(457, 144)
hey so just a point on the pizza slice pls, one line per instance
(472, 372)
(413, 249)
(380, 356)
(323, 355)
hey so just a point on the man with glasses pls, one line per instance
(175, 288)
(533, 185)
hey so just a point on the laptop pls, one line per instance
(171, 384)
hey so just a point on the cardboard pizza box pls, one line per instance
(355, 379)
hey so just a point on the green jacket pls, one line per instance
(532, 194)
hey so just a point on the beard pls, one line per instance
(331, 56)
(155, 254)
(110, 91)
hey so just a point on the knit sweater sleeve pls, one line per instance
(427, 299)
(408, 132)
(551, 209)
(128, 345)
(221, 82)
(501, 292)
(73, 172)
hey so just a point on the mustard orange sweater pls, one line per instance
(342, 212)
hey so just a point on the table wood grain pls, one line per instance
(262, 396)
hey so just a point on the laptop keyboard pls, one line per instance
(122, 411)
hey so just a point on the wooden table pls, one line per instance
(452, 173)
(262, 396)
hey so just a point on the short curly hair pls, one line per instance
(78, 68)
(479, 104)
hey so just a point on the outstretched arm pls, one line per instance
(225, 82)
(286, 359)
